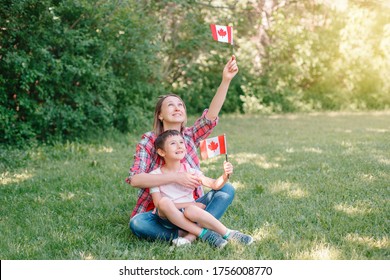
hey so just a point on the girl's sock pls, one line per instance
(203, 232)
(228, 231)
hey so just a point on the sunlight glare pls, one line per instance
(105, 150)
(86, 256)
(381, 159)
(352, 210)
(67, 196)
(259, 160)
(381, 243)
(378, 130)
(292, 190)
(7, 178)
(313, 150)
(267, 231)
(238, 185)
(298, 193)
(320, 252)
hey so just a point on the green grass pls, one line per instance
(309, 186)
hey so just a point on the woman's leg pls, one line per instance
(218, 201)
(148, 226)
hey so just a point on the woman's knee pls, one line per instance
(136, 225)
(228, 191)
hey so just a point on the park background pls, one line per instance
(307, 120)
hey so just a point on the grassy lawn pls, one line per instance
(309, 186)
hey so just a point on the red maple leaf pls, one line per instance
(213, 146)
(222, 32)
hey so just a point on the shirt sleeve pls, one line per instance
(154, 190)
(194, 171)
(142, 157)
(202, 128)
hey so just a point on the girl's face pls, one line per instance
(174, 148)
(172, 110)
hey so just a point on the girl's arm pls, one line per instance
(229, 71)
(214, 184)
(156, 196)
(217, 184)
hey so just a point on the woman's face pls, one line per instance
(172, 110)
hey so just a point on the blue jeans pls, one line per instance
(150, 226)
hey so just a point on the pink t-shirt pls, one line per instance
(175, 192)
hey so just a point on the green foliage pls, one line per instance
(69, 69)
(61, 72)
(322, 58)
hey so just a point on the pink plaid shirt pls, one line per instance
(146, 158)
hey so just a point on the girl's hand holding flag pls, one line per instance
(228, 169)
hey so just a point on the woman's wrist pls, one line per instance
(225, 81)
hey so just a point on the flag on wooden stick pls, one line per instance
(222, 33)
(212, 147)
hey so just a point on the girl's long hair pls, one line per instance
(158, 126)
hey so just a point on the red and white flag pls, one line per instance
(222, 33)
(212, 147)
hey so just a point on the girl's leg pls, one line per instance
(168, 209)
(218, 201)
(204, 219)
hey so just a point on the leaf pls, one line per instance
(213, 146)
(221, 32)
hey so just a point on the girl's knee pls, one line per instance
(200, 205)
(165, 204)
(192, 212)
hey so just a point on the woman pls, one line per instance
(170, 113)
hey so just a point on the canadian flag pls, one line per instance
(222, 33)
(212, 147)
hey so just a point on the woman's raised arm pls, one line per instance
(230, 70)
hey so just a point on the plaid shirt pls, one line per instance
(146, 158)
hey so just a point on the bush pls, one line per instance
(62, 72)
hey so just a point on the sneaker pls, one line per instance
(214, 239)
(180, 241)
(240, 237)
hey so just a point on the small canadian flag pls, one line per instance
(222, 33)
(212, 147)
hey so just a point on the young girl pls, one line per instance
(176, 203)
(170, 113)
